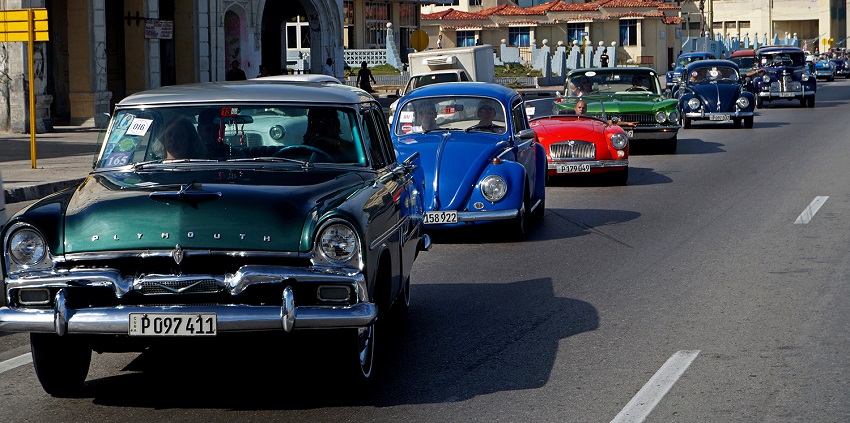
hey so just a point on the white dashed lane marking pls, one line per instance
(16, 362)
(807, 214)
(651, 394)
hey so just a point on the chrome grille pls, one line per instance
(192, 286)
(572, 150)
(640, 119)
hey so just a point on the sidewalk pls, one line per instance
(63, 159)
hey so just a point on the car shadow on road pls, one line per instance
(557, 224)
(465, 340)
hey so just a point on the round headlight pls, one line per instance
(805, 77)
(660, 117)
(673, 117)
(338, 243)
(743, 102)
(693, 103)
(27, 247)
(494, 188)
(277, 132)
(619, 140)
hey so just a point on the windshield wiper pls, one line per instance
(270, 159)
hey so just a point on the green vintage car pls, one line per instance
(213, 210)
(631, 96)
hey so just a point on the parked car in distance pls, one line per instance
(674, 75)
(194, 224)
(825, 69)
(785, 78)
(580, 143)
(630, 94)
(482, 161)
(714, 91)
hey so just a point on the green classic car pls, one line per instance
(213, 210)
(632, 97)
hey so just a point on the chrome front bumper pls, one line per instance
(658, 133)
(785, 94)
(732, 115)
(230, 317)
(594, 164)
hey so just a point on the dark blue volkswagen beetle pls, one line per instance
(713, 90)
(482, 161)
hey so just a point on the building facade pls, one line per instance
(100, 51)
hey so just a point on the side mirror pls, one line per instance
(668, 93)
(672, 66)
(526, 134)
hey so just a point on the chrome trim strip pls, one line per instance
(383, 237)
(111, 255)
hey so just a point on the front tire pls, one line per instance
(360, 345)
(811, 102)
(619, 177)
(686, 122)
(759, 103)
(748, 122)
(61, 363)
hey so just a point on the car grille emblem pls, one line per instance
(177, 254)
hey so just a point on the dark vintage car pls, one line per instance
(785, 76)
(214, 210)
(674, 75)
(713, 91)
(580, 140)
(630, 94)
(482, 161)
(842, 66)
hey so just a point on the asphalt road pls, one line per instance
(712, 288)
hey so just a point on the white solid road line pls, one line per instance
(18, 361)
(650, 395)
(810, 211)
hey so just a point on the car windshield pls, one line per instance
(744, 62)
(569, 106)
(619, 81)
(684, 60)
(711, 74)
(232, 132)
(462, 113)
(777, 59)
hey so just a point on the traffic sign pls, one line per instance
(26, 25)
(15, 25)
(419, 40)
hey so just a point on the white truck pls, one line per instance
(474, 63)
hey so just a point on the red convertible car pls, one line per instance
(579, 139)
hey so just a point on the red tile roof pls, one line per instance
(557, 6)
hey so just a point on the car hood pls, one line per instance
(453, 166)
(555, 130)
(631, 103)
(222, 209)
(710, 93)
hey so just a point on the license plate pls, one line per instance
(439, 217)
(573, 168)
(630, 133)
(719, 117)
(786, 94)
(172, 324)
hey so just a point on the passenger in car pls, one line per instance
(323, 132)
(179, 140)
(426, 116)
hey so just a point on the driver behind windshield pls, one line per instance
(324, 133)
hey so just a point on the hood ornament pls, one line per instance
(177, 254)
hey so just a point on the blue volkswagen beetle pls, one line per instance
(675, 75)
(712, 90)
(482, 161)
